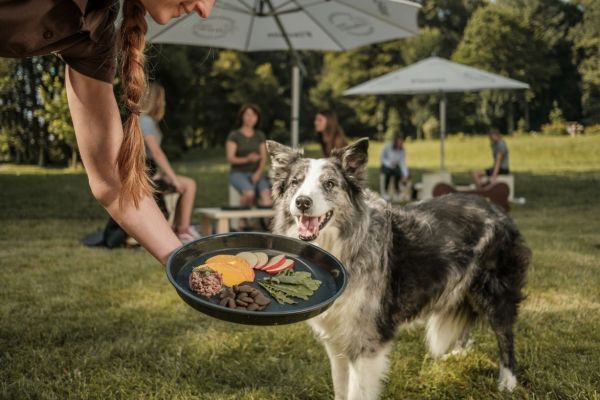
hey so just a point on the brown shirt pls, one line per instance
(82, 32)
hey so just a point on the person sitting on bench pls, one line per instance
(152, 111)
(500, 157)
(246, 151)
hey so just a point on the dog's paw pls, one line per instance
(507, 380)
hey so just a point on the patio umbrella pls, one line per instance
(435, 75)
(266, 25)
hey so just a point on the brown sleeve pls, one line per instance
(95, 55)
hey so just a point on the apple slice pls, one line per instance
(250, 258)
(287, 264)
(262, 258)
(274, 262)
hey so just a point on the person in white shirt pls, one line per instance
(393, 164)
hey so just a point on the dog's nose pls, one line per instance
(303, 203)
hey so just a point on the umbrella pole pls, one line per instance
(442, 130)
(295, 104)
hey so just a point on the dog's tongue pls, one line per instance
(308, 226)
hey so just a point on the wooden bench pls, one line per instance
(496, 193)
(222, 217)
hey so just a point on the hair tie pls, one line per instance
(134, 111)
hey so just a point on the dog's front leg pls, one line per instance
(367, 373)
(339, 371)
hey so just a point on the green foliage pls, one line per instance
(586, 38)
(56, 115)
(557, 124)
(431, 128)
(393, 124)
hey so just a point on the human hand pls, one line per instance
(256, 177)
(178, 186)
(253, 157)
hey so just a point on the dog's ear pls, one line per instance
(354, 158)
(281, 159)
(281, 155)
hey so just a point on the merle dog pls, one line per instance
(445, 261)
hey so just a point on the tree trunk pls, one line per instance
(73, 162)
(510, 118)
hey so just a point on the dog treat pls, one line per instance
(205, 281)
(244, 297)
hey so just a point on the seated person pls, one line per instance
(500, 157)
(393, 165)
(153, 110)
(247, 153)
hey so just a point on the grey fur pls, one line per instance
(446, 261)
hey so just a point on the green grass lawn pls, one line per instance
(80, 323)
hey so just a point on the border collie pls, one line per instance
(445, 261)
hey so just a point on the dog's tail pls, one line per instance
(444, 328)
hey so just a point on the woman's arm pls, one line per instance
(99, 135)
(258, 173)
(262, 151)
(231, 148)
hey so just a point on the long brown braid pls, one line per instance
(131, 161)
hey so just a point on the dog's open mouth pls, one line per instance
(310, 226)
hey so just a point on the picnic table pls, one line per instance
(221, 216)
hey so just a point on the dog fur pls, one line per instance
(446, 261)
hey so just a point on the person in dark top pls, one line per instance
(247, 153)
(500, 157)
(329, 132)
(83, 34)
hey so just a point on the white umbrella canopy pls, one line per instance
(269, 25)
(435, 75)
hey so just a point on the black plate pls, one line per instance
(322, 265)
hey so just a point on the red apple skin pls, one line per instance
(288, 264)
(274, 262)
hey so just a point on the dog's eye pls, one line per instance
(329, 184)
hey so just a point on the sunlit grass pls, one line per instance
(91, 323)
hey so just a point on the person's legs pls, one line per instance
(264, 190)
(185, 205)
(387, 175)
(242, 183)
(397, 174)
(477, 178)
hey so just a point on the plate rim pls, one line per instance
(258, 314)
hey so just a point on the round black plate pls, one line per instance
(322, 265)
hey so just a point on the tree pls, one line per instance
(56, 116)
(449, 18)
(509, 41)
(586, 38)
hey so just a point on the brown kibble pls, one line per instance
(224, 302)
(261, 300)
(241, 308)
(247, 299)
(231, 303)
(241, 303)
(253, 307)
(254, 293)
(245, 289)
